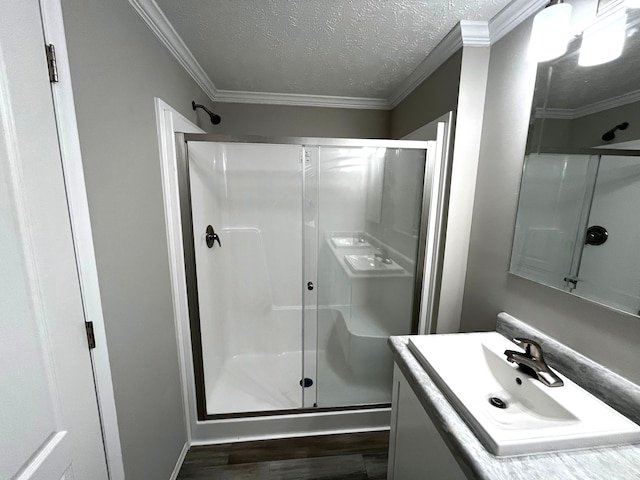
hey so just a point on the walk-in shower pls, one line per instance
(305, 255)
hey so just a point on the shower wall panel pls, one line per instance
(342, 208)
(249, 286)
(550, 208)
(401, 199)
(213, 304)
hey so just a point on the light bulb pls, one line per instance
(604, 41)
(550, 33)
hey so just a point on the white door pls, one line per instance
(49, 422)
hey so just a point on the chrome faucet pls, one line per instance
(383, 256)
(532, 362)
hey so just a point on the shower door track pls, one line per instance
(292, 411)
(308, 141)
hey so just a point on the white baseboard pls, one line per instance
(183, 454)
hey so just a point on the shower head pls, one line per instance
(611, 134)
(215, 119)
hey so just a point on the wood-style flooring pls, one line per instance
(357, 456)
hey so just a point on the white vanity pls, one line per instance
(462, 411)
(416, 449)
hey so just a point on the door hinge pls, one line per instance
(51, 63)
(91, 338)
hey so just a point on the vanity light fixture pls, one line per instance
(550, 33)
(603, 41)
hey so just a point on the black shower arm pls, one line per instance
(215, 119)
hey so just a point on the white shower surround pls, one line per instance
(249, 301)
(207, 432)
(250, 288)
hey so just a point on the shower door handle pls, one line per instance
(211, 237)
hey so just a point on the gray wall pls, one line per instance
(434, 97)
(588, 130)
(603, 335)
(293, 121)
(458, 85)
(117, 68)
(556, 133)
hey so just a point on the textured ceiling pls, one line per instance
(573, 86)
(357, 48)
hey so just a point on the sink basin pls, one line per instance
(349, 242)
(369, 264)
(472, 371)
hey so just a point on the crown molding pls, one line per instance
(236, 96)
(468, 34)
(474, 33)
(162, 28)
(613, 102)
(555, 113)
(160, 25)
(513, 15)
(465, 33)
(601, 106)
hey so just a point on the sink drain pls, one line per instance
(497, 402)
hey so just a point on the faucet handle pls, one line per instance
(531, 347)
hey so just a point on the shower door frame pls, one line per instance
(430, 175)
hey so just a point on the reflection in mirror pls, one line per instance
(394, 191)
(402, 192)
(576, 228)
(375, 182)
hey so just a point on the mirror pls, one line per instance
(577, 228)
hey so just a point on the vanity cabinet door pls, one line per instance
(416, 450)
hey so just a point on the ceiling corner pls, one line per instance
(449, 45)
(513, 15)
(162, 28)
(465, 33)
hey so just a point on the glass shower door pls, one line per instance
(306, 260)
(249, 277)
(369, 205)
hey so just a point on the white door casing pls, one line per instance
(69, 140)
(49, 416)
